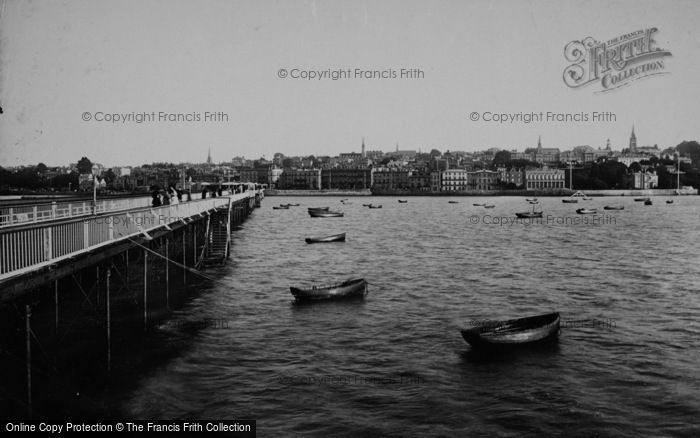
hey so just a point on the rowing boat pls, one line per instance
(333, 238)
(514, 331)
(587, 211)
(529, 215)
(281, 207)
(614, 207)
(356, 288)
(321, 213)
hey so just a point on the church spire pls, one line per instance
(633, 141)
(363, 148)
(539, 142)
(209, 156)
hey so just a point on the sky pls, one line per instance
(65, 61)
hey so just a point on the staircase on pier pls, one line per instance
(218, 239)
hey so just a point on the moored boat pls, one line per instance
(375, 206)
(529, 214)
(569, 201)
(293, 205)
(366, 205)
(478, 205)
(333, 238)
(613, 207)
(669, 201)
(647, 201)
(281, 207)
(513, 332)
(403, 201)
(640, 199)
(452, 202)
(587, 211)
(356, 288)
(531, 199)
(323, 213)
(489, 206)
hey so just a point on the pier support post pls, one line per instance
(145, 290)
(28, 312)
(167, 274)
(109, 326)
(97, 286)
(126, 270)
(184, 256)
(55, 298)
(194, 244)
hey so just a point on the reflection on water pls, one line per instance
(396, 365)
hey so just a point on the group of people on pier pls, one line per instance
(171, 196)
(174, 195)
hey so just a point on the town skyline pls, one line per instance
(212, 157)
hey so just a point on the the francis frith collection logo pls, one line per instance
(614, 63)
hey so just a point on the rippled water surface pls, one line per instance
(396, 365)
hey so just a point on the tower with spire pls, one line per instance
(363, 148)
(539, 142)
(633, 142)
(209, 156)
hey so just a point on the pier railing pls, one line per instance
(29, 247)
(24, 214)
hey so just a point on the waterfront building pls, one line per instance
(300, 179)
(454, 180)
(419, 180)
(390, 178)
(435, 181)
(482, 180)
(512, 176)
(346, 178)
(536, 179)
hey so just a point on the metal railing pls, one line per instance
(25, 214)
(27, 248)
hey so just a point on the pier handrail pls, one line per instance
(23, 249)
(47, 211)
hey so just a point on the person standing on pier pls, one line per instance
(173, 196)
(156, 199)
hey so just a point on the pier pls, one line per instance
(74, 273)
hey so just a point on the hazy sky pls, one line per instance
(60, 59)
